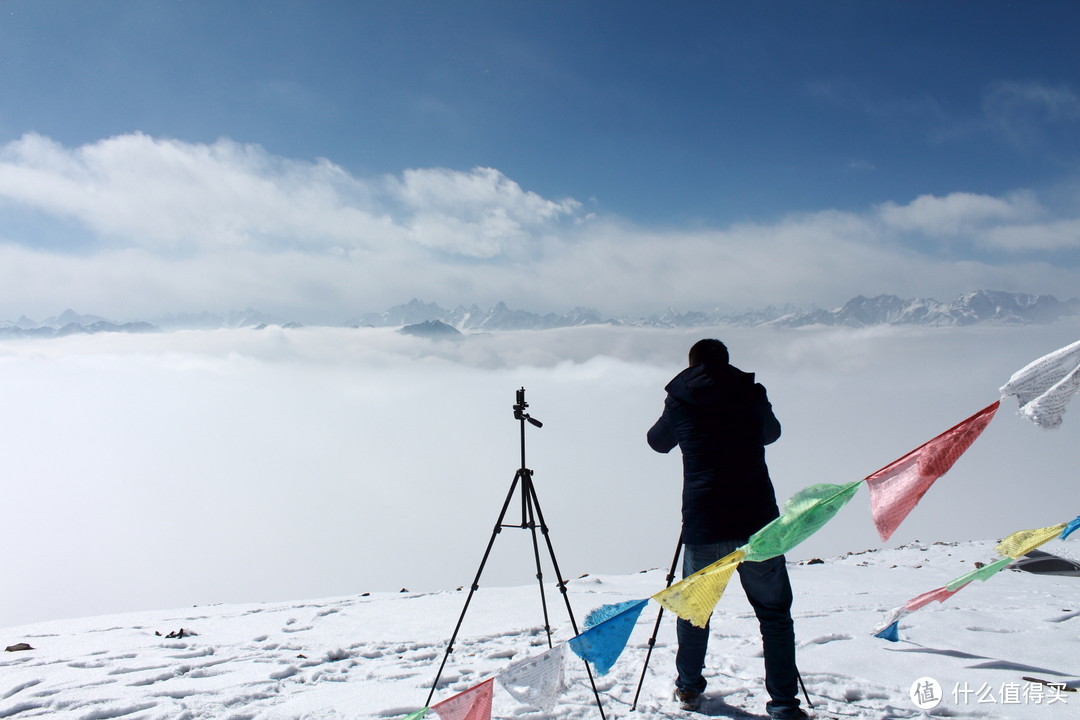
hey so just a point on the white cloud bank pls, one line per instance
(152, 225)
(958, 214)
(171, 469)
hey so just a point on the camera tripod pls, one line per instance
(530, 515)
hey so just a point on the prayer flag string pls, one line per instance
(1014, 546)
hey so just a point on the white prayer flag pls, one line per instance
(1046, 385)
(536, 681)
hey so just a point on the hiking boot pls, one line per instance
(688, 699)
(788, 713)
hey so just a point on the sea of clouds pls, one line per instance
(196, 467)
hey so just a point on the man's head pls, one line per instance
(708, 352)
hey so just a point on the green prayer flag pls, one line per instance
(418, 715)
(804, 514)
(982, 573)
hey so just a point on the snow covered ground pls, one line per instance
(376, 655)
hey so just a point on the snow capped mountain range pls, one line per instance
(989, 306)
(499, 317)
(69, 323)
(982, 306)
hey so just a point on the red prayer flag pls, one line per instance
(897, 488)
(940, 594)
(473, 704)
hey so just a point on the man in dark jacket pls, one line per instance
(721, 420)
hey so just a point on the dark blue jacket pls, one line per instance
(721, 420)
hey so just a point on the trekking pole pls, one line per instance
(656, 627)
(803, 686)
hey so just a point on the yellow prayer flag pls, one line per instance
(1022, 542)
(693, 598)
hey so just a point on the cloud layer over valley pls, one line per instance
(193, 467)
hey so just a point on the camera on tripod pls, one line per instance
(519, 409)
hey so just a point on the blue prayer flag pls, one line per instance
(891, 633)
(609, 628)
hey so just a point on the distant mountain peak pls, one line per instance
(431, 329)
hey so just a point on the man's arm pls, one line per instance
(770, 426)
(661, 435)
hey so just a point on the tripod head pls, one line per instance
(519, 410)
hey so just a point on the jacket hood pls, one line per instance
(706, 384)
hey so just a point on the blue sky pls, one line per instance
(322, 159)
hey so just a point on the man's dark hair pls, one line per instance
(708, 352)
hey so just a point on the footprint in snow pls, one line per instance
(827, 639)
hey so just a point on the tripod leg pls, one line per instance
(475, 584)
(562, 589)
(656, 627)
(528, 493)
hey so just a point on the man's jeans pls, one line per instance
(769, 592)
